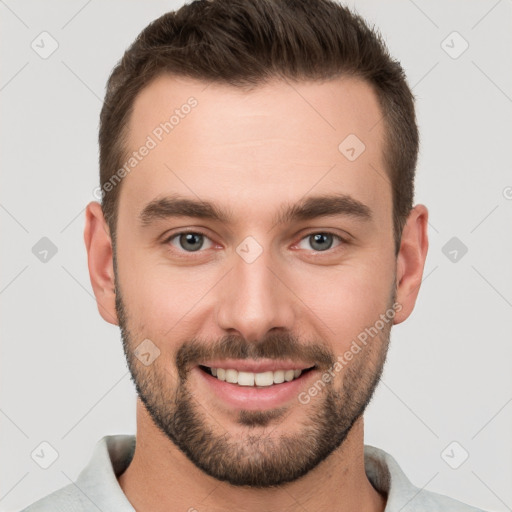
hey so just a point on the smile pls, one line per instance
(262, 379)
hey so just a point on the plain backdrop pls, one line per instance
(447, 386)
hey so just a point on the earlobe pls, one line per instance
(411, 261)
(99, 256)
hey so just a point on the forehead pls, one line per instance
(271, 144)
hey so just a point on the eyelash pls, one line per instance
(342, 240)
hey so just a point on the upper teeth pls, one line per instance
(255, 379)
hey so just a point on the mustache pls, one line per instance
(282, 345)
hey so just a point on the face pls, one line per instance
(287, 258)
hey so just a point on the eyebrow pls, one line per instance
(309, 208)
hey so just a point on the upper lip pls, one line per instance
(265, 365)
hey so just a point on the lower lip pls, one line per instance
(255, 398)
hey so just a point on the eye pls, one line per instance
(188, 241)
(322, 241)
(194, 241)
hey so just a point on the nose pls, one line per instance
(255, 298)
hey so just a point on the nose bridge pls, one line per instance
(253, 300)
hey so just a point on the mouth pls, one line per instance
(264, 379)
(254, 391)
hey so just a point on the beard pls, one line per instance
(254, 457)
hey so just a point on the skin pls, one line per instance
(251, 152)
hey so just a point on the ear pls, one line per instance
(411, 261)
(101, 267)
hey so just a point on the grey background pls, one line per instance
(448, 378)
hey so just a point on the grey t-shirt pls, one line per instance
(97, 488)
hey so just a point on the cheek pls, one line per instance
(163, 300)
(346, 301)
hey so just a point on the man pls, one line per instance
(255, 243)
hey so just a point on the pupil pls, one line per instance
(192, 238)
(319, 237)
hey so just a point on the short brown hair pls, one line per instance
(243, 43)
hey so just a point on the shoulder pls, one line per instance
(430, 501)
(65, 499)
(387, 477)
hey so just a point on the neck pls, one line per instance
(161, 478)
